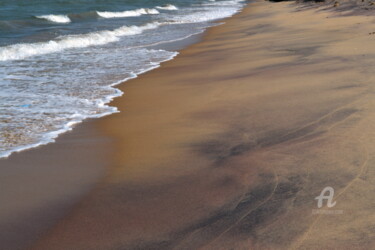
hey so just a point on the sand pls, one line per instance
(226, 146)
(39, 186)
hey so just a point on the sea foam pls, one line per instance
(37, 117)
(210, 11)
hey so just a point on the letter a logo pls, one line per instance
(328, 197)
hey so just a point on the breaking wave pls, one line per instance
(24, 50)
(55, 18)
(127, 13)
(167, 7)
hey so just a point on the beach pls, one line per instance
(224, 147)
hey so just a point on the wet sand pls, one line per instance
(227, 146)
(39, 186)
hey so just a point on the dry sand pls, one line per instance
(227, 146)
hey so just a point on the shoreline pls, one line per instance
(86, 147)
(172, 46)
(227, 145)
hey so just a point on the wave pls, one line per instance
(127, 13)
(55, 18)
(214, 11)
(104, 14)
(222, 3)
(167, 7)
(206, 16)
(24, 50)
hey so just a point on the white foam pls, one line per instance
(56, 18)
(70, 121)
(24, 50)
(210, 11)
(206, 16)
(223, 3)
(167, 7)
(127, 13)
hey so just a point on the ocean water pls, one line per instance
(60, 60)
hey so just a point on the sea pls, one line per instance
(60, 60)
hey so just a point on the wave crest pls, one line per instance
(167, 7)
(55, 18)
(24, 50)
(127, 13)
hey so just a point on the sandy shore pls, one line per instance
(227, 146)
(39, 186)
